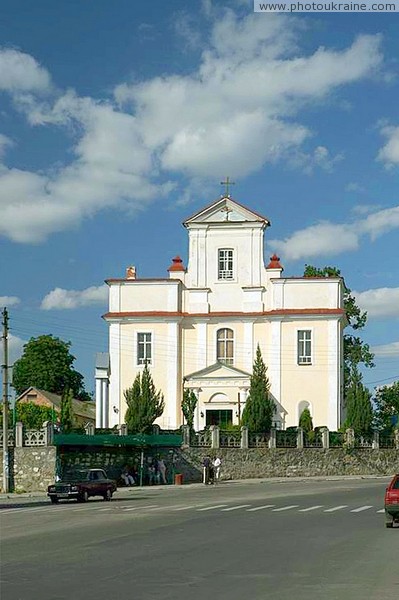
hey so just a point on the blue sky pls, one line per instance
(118, 120)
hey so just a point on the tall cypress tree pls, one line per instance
(188, 406)
(359, 415)
(67, 420)
(260, 407)
(144, 403)
(305, 420)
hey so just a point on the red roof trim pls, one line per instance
(307, 278)
(143, 280)
(271, 313)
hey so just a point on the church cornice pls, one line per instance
(278, 313)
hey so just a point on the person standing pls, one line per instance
(206, 464)
(162, 470)
(216, 467)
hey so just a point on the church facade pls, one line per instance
(199, 328)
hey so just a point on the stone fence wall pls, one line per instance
(34, 461)
(286, 462)
(31, 469)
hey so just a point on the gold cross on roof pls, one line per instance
(227, 183)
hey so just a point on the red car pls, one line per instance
(80, 485)
(392, 502)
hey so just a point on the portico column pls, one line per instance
(99, 404)
(198, 423)
(242, 398)
(104, 395)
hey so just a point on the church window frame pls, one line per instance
(304, 346)
(144, 346)
(225, 346)
(225, 264)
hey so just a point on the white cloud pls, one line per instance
(238, 110)
(380, 222)
(21, 72)
(365, 209)
(330, 239)
(319, 158)
(386, 350)
(389, 154)
(67, 299)
(15, 347)
(5, 143)
(9, 300)
(379, 302)
(353, 186)
(317, 239)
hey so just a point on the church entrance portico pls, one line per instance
(221, 391)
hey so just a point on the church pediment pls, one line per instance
(217, 371)
(225, 209)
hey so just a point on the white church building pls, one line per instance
(199, 329)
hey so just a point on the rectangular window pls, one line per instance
(144, 348)
(225, 263)
(304, 347)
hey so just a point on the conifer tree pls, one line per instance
(259, 407)
(144, 403)
(188, 406)
(386, 401)
(67, 420)
(305, 420)
(359, 411)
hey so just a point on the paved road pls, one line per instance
(259, 541)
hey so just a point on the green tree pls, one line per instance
(144, 403)
(386, 402)
(356, 352)
(305, 421)
(188, 406)
(259, 407)
(32, 415)
(66, 417)
(359, 410)
(46, 363)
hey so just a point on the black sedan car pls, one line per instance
(81, 484)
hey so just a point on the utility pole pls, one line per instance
(5, 402)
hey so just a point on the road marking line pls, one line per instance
(211, 507)
(285, 508)
(20, 510)
(330, 510)
(381, 511)
(360, 509)
(184, 508)
(141, 507)
(87, 508)
(235, 507)
(260, 507)
(172, 507)
(311, 508)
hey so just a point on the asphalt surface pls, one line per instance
(254, 540)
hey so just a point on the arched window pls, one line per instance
(225, 346)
